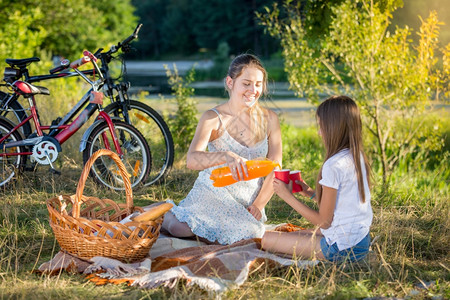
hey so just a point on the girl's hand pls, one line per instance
(306, 190)
(282, 189)
(237, 165)
(255, 212)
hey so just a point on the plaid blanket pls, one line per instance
(211, 267)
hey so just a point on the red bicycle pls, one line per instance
(44, 145)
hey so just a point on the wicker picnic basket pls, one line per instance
(89, 226)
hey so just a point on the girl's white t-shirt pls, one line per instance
(352, 218)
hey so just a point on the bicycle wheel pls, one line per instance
(15, 113)
(136, 155)
(10, 166)
(156, 133)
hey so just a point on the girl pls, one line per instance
(342, 192)
(235, 131)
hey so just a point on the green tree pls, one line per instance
(32, 27)
(392, 80)
(185, 27)
(176, 26)
(18, 40)
(151, 36)
(233, 22)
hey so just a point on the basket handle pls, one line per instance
(85, 174)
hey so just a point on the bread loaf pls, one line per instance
(154, 212)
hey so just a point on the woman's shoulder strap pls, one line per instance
(218, 114)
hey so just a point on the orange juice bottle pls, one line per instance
(256, 168)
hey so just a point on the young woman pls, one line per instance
(233, 132)
(342, 192)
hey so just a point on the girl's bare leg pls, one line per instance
(175, 227)
(304, 244)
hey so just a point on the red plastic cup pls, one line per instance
(295, 175)
(282, 175)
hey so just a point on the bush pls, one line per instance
(184, 122)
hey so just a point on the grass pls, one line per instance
(410, 258)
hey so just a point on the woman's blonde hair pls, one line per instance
(340, 125)
(258, 119)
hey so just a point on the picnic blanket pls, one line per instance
(213, 268)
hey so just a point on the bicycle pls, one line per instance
(133, 112)
(127, 141)
(138, 114)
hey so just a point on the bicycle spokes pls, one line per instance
(135, 155)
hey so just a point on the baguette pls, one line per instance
(154, 213)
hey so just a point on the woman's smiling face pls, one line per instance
(248, 86)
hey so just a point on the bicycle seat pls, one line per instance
(26, 89)
(21, 62)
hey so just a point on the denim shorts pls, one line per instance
(355, 253)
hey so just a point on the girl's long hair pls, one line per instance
(258, 119)
(340, 126)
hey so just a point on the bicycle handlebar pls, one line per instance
(80, 62)
(131, 37)
(65, 63)
(123, 44)
(90, 55)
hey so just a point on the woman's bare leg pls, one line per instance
(175, 227)
(304, 244)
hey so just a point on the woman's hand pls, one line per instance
(306, 190)
(255, 212)
(237, 165)
(282, 189)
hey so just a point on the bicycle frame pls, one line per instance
(64, 130)
(12, 97)
(67, 130)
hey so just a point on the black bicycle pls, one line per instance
(133, 112)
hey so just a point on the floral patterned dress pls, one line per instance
(220, 213)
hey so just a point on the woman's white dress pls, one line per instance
(220, 213)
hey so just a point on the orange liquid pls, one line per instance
(256, 168)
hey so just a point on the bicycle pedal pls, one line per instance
(54, 171)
